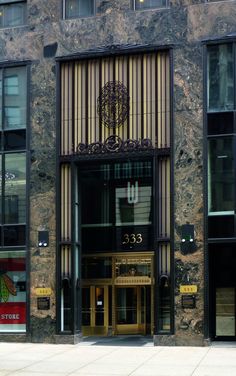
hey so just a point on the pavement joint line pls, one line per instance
(94, 360)
(200, 361)
(12, 372)
(140, 365)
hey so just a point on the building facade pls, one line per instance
(117, 170)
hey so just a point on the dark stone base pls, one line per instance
(61, 339)
(14, 338)
(163, 340)
(42, 330)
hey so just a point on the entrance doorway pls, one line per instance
(222, 261)
(95, 305)
(121, 304)
(133, 310)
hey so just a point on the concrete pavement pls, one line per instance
(93, 358)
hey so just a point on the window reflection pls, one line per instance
(220, 77)
(15, 188)
(221, 176)
(79, 8)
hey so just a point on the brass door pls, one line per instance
(131, 310)
(95, 310)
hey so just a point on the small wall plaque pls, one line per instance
(188, 289)
(43, 304)
(43, 291)
(188, 301)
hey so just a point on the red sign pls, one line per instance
(12, 313)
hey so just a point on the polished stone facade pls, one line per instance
(183, 27)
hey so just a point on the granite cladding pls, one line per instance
(183, 25)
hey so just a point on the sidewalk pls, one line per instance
(94, 358)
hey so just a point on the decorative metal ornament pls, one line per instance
(114, 144)
(113, 104)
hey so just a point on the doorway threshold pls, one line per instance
(120, 340)
(223, 344)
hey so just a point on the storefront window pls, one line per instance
(12, 291)
(221, 176)
(220, 78)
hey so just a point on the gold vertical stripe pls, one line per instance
(145, 96)
(167, 100)
(65, 203)
(163, 101)
(131, 109)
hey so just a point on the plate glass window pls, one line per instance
(220, 78)
(149, 4)
(79, 8)
(12, 13)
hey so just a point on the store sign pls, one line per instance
(188, 301)
(188, 289)
(13, 313)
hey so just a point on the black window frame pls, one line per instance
(7, 3)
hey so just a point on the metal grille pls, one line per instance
(147, 81)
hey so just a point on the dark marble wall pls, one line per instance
(184, 25)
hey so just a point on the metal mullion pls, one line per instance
(72, 255)
(172, 221)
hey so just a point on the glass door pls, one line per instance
(130, 310)
(225, 312)
(95, 310)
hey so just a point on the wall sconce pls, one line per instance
(187, 244)
(43, 239)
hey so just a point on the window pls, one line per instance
(220, 176)
(79, 8)
(12, 291)
(221, 126)
(220, 78)
(12, 13)
(12, 156)
(149, 4)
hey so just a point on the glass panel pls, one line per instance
(126, 305)
(15, 140)
(0, 92)
(221, 176)
(122, 202)
(129, 266)
(148, 4)
(79, 8)
(15, 98)
(12, 292)
(12, 15)
(15, 188)
(225, 312)
(86, 309)
(164, 318)
(220, 122)
(220, 77)
(14, 235)
(96, 267)
(99, 306)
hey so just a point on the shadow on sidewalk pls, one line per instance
(129, 340)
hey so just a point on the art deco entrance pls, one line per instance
(122, 304)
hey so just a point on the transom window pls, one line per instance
(12, 13)
(149, 4)
(79, 8)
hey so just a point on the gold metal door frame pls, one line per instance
(114, 329)
(94, 329)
